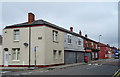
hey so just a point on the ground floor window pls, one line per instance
(93, 55)
(16, 54)
(60, 53)
(54, 54)
(96, 55)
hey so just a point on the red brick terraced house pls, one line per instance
(91, 48)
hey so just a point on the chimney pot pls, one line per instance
(31, 18)
(86, 35)
(71, 29)
(80, 33)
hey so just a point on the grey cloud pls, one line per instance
(90, 17)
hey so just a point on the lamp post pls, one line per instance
(99, 38)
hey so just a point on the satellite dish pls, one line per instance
(26, 44)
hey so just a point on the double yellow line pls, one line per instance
(117, 74)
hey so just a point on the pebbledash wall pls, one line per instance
(44, 46)
(1, 58)
(48, 51)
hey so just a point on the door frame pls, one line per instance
(6, 57)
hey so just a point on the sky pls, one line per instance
(92, 18)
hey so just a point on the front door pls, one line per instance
(5, 58)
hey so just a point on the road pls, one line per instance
(107, 67)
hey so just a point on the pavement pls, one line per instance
(99, 67)
(50, 68)
(13, 69)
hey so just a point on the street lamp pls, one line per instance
(99, 38)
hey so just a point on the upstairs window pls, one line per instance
(16, 34)
(86, 43)
(92, 45)
(55, 35)
(69, 39)
(79, 41)
(96, 46)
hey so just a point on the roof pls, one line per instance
(43, 22)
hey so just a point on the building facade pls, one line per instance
(91, 48)
(73, 47)
(1, 58)
(35, 43)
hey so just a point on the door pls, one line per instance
(70, 57)
(80, 57)
(5, 58)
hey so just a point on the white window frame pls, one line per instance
(55, 35)
(54, 54)
(69, 39)
(93, 55)
(92, 45)
(17, 54)
(79, 40)
(16, 35)
(96, 46)
(86, 43)
(60, 54)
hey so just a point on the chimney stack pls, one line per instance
(31, 18)
(86, 35)
(71, 29)
(80, 33)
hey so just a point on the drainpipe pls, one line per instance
(29, 44)
(31, 19)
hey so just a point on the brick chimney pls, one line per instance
(80, 33)
(31, 18)
(86, 35)
(71, 29)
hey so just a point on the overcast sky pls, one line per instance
(92, 18)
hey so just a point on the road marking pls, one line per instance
(89, 64)
(117, 73)
(95, 65)
(5, 72)
(23, 73)
(16, 74)
(41, 71)
(91, 67)
(46, 71)
(30, 72)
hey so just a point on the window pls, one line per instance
(15, 53)
(96, 55)
(60, 53)
(69, 39)
(92, 45)
(93, 55)
(16, 34)
(55, 35)
(96, 46)
(54, 54)
(79, 41)
(86, 43)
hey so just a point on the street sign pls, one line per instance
(35, 49)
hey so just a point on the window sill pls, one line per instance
(16, 40)
(79, 45)
(55, 41)
(16, 60)
(69, 43)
